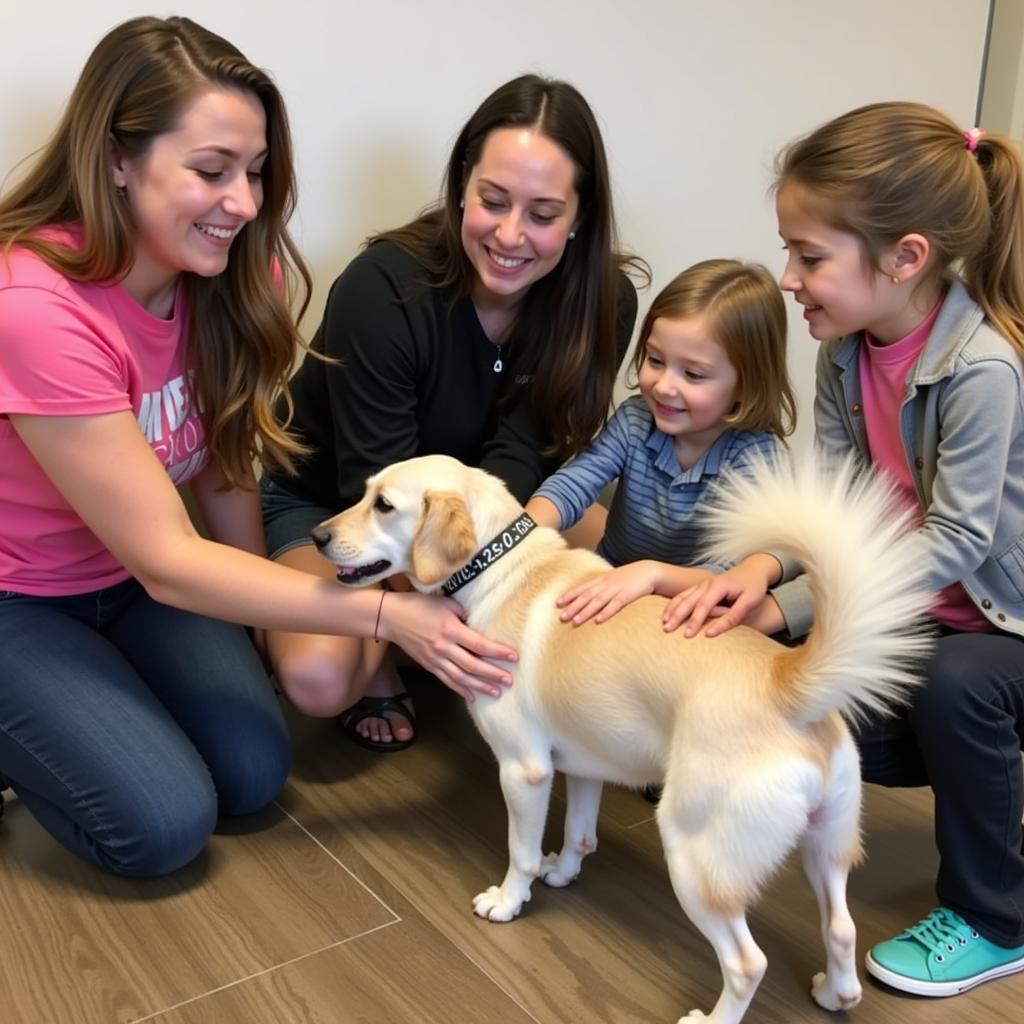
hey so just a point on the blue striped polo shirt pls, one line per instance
(658, 506)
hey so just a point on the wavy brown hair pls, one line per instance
(884, 170)
(565, 333)
(746, 314)
(242, 335)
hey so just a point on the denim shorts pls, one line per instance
(287, 518)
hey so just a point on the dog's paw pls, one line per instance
(693, 1015)
(552, 874)
(493, 905)
(827, 995)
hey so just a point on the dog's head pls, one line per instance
(414, 518)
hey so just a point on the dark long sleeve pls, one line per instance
(411, 372)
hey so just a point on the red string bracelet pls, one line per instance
(376, 625)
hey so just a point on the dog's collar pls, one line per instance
(489, 554)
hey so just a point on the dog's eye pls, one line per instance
(382, 504)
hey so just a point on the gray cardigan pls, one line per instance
(962, 426)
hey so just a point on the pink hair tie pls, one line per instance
(972, 137)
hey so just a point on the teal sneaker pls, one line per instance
(941, 956)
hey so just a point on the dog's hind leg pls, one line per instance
(838, 987)
(526, 785)
(740, 958)
(830, 846)
(583, 801)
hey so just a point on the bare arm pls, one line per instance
(543, 512)
(232, 516)
(108, 474)
(584, 534)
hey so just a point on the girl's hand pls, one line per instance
(430, 630)
(726, 598)
(601, 598)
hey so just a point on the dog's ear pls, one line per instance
(445, 538)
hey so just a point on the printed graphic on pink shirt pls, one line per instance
(173, 429)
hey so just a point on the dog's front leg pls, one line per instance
(583, 800)
(526, 785)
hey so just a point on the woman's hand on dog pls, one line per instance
(431, 631)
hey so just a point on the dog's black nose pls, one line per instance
(320, 536)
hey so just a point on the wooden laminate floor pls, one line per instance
(348, 902)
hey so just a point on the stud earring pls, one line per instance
(572, 235)
(462, 204)
(894, 279)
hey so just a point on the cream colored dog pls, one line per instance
(745, 733)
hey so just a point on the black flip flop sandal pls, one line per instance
(378, 707)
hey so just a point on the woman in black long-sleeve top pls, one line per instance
(490, 328)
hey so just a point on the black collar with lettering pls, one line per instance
(498, 546)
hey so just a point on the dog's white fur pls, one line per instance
(745, 733)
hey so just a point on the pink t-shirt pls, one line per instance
(73, 349)
(883, 381)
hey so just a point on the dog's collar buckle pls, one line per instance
(498, 546)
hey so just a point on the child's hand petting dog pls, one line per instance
(600, 598)
(734, 597)
(431, 631)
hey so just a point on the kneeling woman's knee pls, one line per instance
(252, 772)
(161, 832)
(316, 683)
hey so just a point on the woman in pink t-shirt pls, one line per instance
(145, 332)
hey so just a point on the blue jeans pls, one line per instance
(962, 735)
(127, 726)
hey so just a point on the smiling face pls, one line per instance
(520, 204)
(192, 191)
(688, 382)
(831, 277)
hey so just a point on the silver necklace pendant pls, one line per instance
(498, 365)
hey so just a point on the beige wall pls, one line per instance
(695, 98)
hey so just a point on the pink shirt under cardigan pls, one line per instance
(883, 380)
(73, 349)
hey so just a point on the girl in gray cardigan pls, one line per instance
(920, 373)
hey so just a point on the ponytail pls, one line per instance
(995, 274)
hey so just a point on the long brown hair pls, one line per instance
(884, 170)
(242, 336)
(745, 312)
(565, 333)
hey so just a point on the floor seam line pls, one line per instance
(338, 861)
(264, 972)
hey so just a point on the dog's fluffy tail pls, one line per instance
(864, 569)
